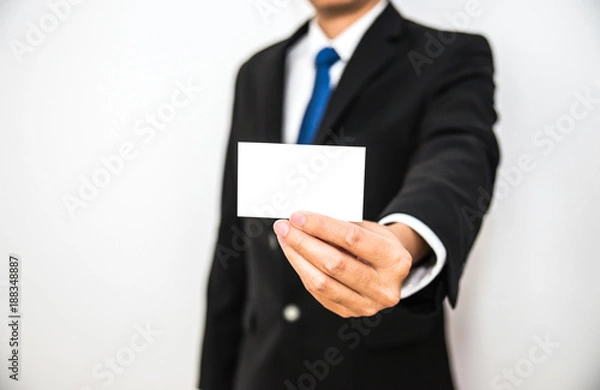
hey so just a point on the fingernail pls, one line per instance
(281, 228)
(298, 219)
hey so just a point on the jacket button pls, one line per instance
(273, 244)
(291, 312)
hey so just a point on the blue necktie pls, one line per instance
(320, 96)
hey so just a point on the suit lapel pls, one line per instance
(375, 50)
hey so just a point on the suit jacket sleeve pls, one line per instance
(226, 284)
(456, 156)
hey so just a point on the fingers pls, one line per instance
(334, 266)
(330, 260)
(377, 249)
(351, 269)
(332, 294)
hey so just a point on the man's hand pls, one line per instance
(353, 269)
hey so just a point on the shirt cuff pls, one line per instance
(421, 274)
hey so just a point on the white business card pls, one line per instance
(274, 180)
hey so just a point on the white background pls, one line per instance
(138, 253)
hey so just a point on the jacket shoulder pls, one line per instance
(421, 35)
(444, 54)
(264, 56)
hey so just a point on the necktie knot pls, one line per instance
(326, 57)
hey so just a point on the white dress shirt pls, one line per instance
(299, 83)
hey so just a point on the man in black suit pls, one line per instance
(318, 303)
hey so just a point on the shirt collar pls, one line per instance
(345, 43)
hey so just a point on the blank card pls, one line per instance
(274, 180)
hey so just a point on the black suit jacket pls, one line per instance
(421, 101)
